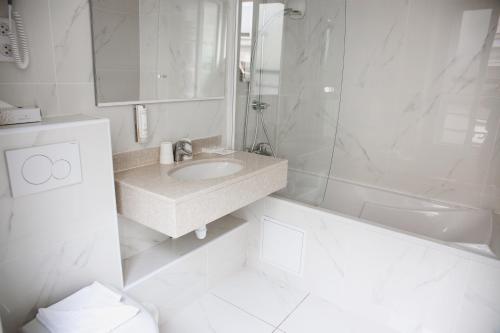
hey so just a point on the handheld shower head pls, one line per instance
(295, 9)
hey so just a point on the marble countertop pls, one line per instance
(156, 180)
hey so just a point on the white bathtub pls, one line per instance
(474, 229)
(477, 230)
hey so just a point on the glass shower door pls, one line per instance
(297, 74)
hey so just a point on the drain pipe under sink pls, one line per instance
(201, 233)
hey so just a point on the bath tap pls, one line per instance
(262, 148)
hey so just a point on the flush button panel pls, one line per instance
(42, 168)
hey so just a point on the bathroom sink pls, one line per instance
(206, 170)
(176, 199)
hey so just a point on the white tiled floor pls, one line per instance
(319, 316)
(249, 301)
(211, 314)
(260, 296)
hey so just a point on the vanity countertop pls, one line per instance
(155, 178)
(151, 196)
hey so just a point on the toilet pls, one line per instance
(145, 321)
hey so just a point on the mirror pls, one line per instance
(148, 51)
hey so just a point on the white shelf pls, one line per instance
(145, 264)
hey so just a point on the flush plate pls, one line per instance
(43, 168)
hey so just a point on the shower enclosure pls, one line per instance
(388, 110)
(291, 62)
(397, 95)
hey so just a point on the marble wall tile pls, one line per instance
(135, 238)
(184, 280)
(43, 95)
(68, 237)
(405, 284)
(417, 114)
(220, 262)
(72, 40)
(60, 79)
(76, 98)
(36, 20)
(175, 286)
(45, 277)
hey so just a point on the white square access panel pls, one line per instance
(42, 168)
(282, 245)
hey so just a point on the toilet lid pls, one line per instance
(143, 322)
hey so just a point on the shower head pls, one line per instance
(293, 13)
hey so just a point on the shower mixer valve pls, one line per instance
(259, 106)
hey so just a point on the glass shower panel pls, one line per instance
(311, 78)
(297, 55)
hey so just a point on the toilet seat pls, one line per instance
(143, 322)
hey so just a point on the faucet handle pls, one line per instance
(188, 146)
(183, 150)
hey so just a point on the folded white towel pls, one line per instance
(92, 309)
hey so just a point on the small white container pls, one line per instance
(166, 153)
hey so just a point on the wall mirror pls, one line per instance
(148, 51)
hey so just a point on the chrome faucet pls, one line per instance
(263, 148)
(182, 149)
(259, 106)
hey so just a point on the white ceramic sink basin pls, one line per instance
(206, 170)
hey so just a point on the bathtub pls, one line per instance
(475, 230)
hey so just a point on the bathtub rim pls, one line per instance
(488, 234)
(397, 233)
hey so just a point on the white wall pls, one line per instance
(60, 79)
